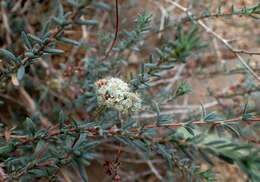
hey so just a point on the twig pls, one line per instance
(115, 35)
(154, 170)
(94, 131)
(246, 52)
(6, 25)
(169, 80)
(164, 15)
(217, 36)
(176, 77)
(31, 106)
(216, 15)
(180, 109)
(236, 52)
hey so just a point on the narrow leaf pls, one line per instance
(82, 170)
(39, 146)
(54, 51)
(69, 41)
(61, 118)
(20, 72)
(26, 40)
(189, 129)
(233, 130)
(8, 55)
(45, 28)
(36, 39)
(206, 157)
(226, 158)
(86, 22)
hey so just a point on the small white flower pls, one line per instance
(115, 93)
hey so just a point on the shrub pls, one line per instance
(83, 84)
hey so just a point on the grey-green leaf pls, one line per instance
(61, 117)
(6, 149)
(26, 40)
(82, 170)
(69, 41)
(39, 146)
(86, 22)
(54, 51)
(36, 39)
(8, 55)
(20, 72)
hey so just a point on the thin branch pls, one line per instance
(116, 33)
(216, 15)
(217, 36)
(246, 52)
(236, 52)
(6, 24)
(154, 170)
(94, 131)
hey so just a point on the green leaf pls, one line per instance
(39, 146)
(61, 118)
(121, 139)
(212, 116)
(215, 142)
(189, 129)
(58, 21)
(20, 72)
(206, 157)
(186, 152)
(162, 150)
(140, 145)
(129, 124)
(82, 170)
(151, 65)
(54, 51)
(6, 149)
(242, 147)
(230, 128)
(182, 89)
(90, 145)
(203, 111)
(86, 22)
(36, 39)
(31, 125)
(9, 56)
(226, 158)
(166, 67)
(69, 41)
(31, 55)
(248, 116)
(26, 41)
(45, 28)
(228, 145)
(60, 10)
(156, 107)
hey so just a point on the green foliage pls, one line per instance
(178, 50)
(57, 125)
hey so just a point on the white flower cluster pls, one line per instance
(115, 93)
